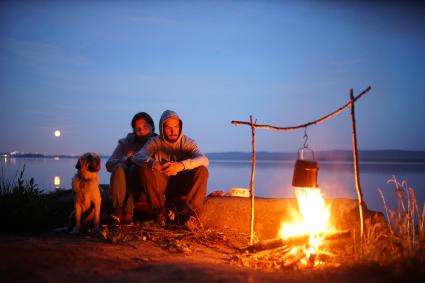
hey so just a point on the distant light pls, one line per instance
(57, 182)
(57, 133)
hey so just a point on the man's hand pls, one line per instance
(171, 168)
(131, 153)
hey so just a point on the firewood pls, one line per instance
(294, 241)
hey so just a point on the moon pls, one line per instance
(57, 133)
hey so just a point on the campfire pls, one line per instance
(312, 220)
(302, 241)
(314, 216)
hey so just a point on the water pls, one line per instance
(272, 179)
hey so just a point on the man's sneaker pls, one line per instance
(179, 214)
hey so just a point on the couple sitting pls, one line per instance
(168, 167)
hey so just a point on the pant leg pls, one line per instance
(134, 188)
(193, 185)
(155, 184)
(118, 185)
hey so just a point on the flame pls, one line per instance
(314, 219)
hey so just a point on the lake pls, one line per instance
(272, 179)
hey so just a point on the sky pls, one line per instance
(86, 68)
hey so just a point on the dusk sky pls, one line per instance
(85, 69)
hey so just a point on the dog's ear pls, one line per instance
(78, 165)
(97, 163)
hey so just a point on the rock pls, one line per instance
(234, 213)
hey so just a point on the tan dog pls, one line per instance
(85, 186)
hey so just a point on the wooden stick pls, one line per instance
(295, 241)
(306, 124)
(252, 183)
(356, 163)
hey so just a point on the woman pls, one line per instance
(124, 184)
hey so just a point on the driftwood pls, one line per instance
(294, 241)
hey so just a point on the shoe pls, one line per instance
(127, 218)
(162, 217)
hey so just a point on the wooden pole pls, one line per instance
(356, 164)
(252, 183)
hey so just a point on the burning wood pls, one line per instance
(300, 240)
(295, 241)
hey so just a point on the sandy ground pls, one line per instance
(66, 258)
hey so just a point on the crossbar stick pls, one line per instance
(318, 121)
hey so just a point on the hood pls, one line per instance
(167, 114)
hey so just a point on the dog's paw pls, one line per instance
(75, 231)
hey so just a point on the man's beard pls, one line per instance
(172, 139)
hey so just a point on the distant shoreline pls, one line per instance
(386, 156)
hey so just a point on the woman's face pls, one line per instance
(142, 128)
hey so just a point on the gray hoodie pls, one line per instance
(184, 149)
(125, 145)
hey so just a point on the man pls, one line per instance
(173, 170)
(124, 183)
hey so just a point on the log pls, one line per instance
(294, 241)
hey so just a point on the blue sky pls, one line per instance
(87, 68)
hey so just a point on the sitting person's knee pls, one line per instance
(144, 171)
(120, 169)
(202, 170)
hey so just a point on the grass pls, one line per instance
(400, 239)
(25, 208)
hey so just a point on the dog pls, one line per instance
(87, 196)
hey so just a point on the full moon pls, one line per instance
(57, 133)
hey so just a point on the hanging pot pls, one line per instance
(305, 171)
